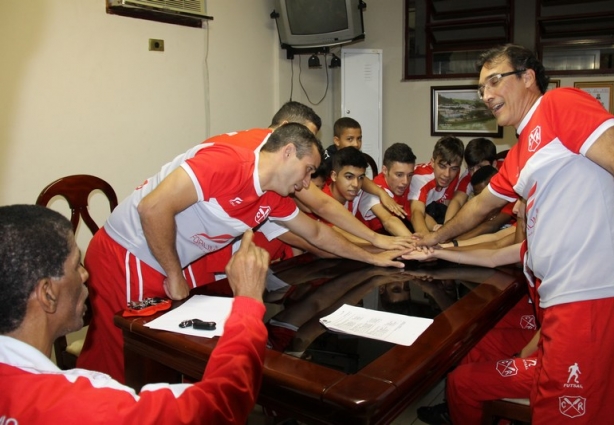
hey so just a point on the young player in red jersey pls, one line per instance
(433, 184)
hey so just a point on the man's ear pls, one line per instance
(333, 176)
(336, 141)
(288, 151)
(433, 162)
(528, 78)
(46, 295)
(384, 169)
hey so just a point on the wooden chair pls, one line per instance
(371, 163)
(76, 190)
(515, 409)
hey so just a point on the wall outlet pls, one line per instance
(156, 45)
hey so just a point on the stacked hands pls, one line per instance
(422, 253)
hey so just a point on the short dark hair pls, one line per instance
(322, 171)
(449, 149)
(399, 152)
(296, 112)
(342, 123)
(520, 58)
(349, 157)
(482, 174)
(478, 150)
(298, 135)
(35, 245)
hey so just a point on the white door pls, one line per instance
(361, 96)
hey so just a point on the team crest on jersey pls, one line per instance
(528, 322)
(572, 406)
(262, 214)
(535, 138)
(236, 201)
(203, 241)
(507, 368)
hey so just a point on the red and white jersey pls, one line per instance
(35, 391)
(570, 199)
(360, 207)
(423, 186)
(402, 200)
(230, 199)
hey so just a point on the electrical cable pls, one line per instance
(300, 70)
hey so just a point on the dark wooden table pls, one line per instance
(464, 301)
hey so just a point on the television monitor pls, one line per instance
(304, 24)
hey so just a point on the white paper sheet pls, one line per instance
(203, 307)
(381, 325)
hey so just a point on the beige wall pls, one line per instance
(81, 93)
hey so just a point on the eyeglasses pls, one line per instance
(494, 80)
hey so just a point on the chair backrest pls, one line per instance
(371, 163)
(76, 190)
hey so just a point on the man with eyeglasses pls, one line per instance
(563, 165)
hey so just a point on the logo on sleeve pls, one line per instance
(535, 138)
(572, 406)
(262, 214)
(236, 201)
(507, 368)
(528, 322)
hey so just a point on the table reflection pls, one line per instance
(315, 289)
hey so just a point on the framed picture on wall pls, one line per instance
(603, 91)
(458, 110)
(553, 84)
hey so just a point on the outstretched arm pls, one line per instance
(418, 217)
(391, 223)
(476, 257)
(490, 225)
(327, 239)
(370, 187)
(333, 212)
(472, 213)
(492, 239)
(458, 200)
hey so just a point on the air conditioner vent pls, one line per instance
(192, 8)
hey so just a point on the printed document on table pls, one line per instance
(203, 307)
(381, 325)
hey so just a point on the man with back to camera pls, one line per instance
(563, 165)
(197, 204)
(43, 297)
